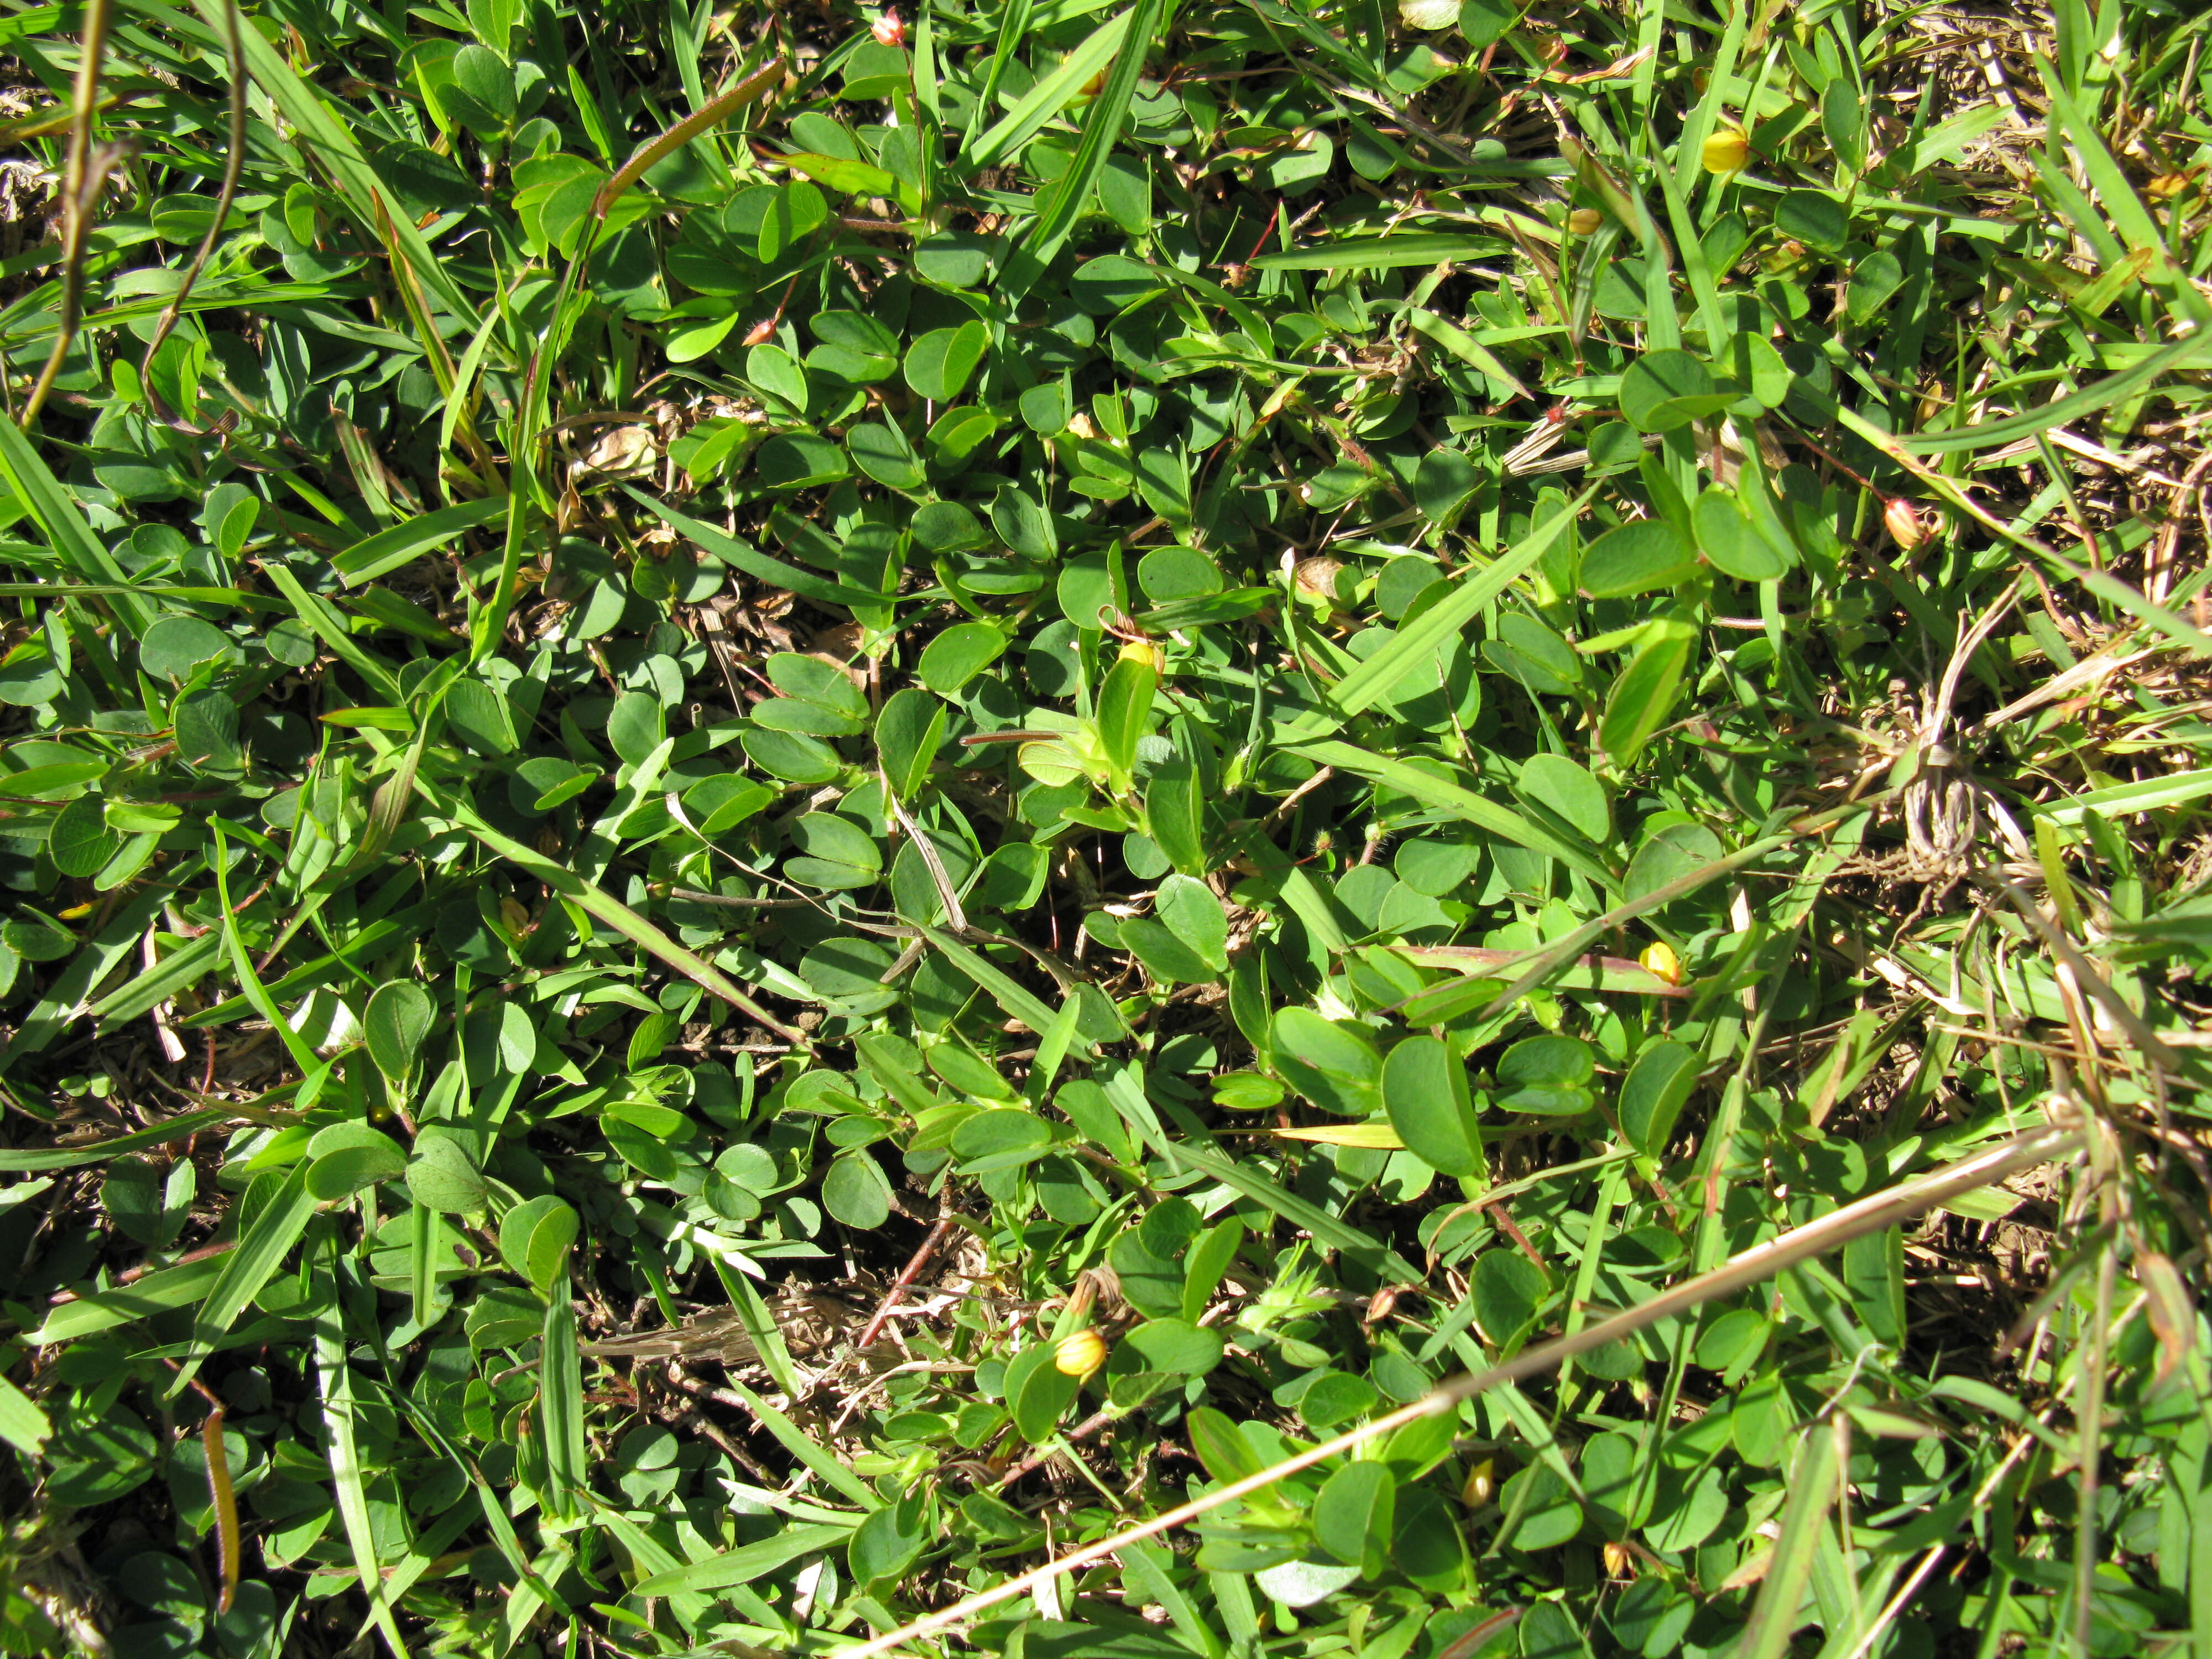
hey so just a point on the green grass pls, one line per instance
(1490, 738)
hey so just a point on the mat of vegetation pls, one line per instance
(796, 804)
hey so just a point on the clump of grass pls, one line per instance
(1070, 830)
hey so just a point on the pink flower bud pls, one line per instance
(1899, 518)
(888, 29)
(761, 332)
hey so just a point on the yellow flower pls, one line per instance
(1726, 150)
(1145, 652)
(1079, 1353)
(1660, 958)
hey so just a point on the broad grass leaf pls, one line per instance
(1644, 695)
(1219, 1445)
(1124, 715)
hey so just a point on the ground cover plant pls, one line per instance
(799, 804)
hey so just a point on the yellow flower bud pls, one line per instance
(1902, 520)
(1585, 221)
(1079, 1353)
(1616, 1558)
(1481, 1483)
(1726, 150)
(1145, 652)
(1660, 958)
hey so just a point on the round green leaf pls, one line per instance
(1352, 1514)
(206, 725)
(1425, 1091)
(80, 841)
(1653, 1092)
(1334, 1065)
(1038, 1392)
(1729, 541)
(1636, 557)
(440, 1177)
(1669, 388)
(1506, 1289)
(1442, 482)
(887, 1542)
(394, 1026)
(958, 655)
(1176, 1346)
(1549, 1515)
(883, 453)
(1546, 1074)
(1335, 1397)
(1562, 787)
(790, 756)
(999, 1139)
(344, 1170)
(908, 734)
(175, 646)
(1814, 217)
(857, 1193)
(939, 363)
(1190, 911)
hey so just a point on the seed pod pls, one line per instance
(1079, 1353)
(1317, 575)
(1726, 150)
(1902, 520)
(1425, 14)
(1659, 959)
(1585, 221)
